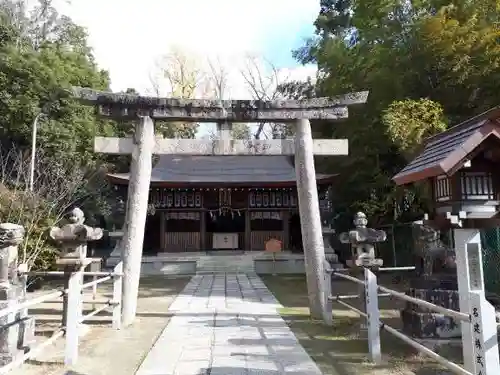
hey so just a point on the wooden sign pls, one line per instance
(273, 245)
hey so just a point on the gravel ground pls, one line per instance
(105, 351)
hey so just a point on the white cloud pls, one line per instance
(129, 35)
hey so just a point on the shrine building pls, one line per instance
(210, 203)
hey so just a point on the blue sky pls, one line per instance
(279, 47)
(128, 36)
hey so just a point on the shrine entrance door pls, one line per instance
(225, 230)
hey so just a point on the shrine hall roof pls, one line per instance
(222, 170)
(446, 152)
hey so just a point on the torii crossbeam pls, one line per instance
(223, 112)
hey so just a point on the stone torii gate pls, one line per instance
(223, 112)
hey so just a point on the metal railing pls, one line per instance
(73, 315)
(481, 317)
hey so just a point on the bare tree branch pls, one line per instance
(58, 186)
(218, 77)
(263, 79)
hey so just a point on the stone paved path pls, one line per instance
(227, 325)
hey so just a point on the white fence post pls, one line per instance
(463, 238)
(73, 317)
(328, 311)
(373, 316)
(117, 296)
(484, 335)
(483, 323)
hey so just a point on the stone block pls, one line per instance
(166, 267)
(279, 266)
(179, 268)
(420, 322)
(365, 262)
(429, 325)
(436, 281)
(448, 299)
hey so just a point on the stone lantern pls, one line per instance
(462, 169)
(74, 238)
(362, 241)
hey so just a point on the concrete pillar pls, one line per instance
(135, 218)
(310, 221)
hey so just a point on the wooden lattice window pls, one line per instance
(477, 186)
(442, 188)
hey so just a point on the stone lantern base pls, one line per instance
(418, 322)
(366, 262)
(330, 255)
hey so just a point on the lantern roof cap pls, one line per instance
(445, 153)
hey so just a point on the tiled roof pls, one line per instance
(221, 170)
(447, 151)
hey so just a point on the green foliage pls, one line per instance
(35, 68)
(58, 186)
(410, 122)
(22, 208)
(297, 89)
(41, 55)
(241, 130)
(426, 63)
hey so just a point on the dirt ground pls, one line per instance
(340, 350)
(103, 350)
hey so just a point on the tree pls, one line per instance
(240, 130)
(216, 80)
(427, 64)
(297, 90)
(217, 84)
(33, 77)
(264, 80)
(58, 187)
(410, 122)
(42, 54)
(179, 75)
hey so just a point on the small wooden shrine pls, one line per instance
(461, 166)
(204, 203)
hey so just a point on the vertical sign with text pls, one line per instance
(484, 335)
(482, 317)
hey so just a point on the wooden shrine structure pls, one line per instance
(143, 144)
(204, 203)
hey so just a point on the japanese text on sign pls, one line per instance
(483, 329)
(477, 339)
(473, 260)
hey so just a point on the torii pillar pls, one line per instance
(144, 145)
